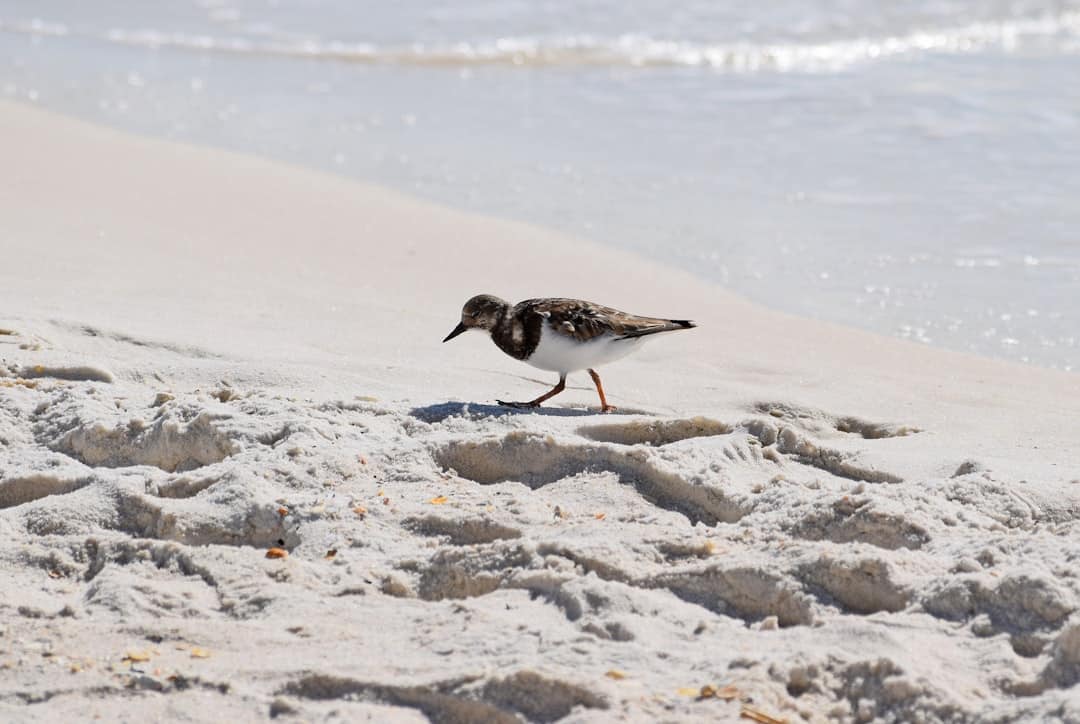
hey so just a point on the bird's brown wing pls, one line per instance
(583, 321)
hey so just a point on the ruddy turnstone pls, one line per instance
(561, 335)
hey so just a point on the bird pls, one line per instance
(561, 335)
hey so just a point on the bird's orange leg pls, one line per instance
(604, 406)
(546, 396)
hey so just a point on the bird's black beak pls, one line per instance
(457, 330)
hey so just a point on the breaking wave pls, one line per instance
(627, 50)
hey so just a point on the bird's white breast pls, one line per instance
(560, 353)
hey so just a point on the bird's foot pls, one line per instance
(607, 408)
(519, 405)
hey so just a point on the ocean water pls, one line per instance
(911, 168)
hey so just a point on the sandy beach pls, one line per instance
(205, 355)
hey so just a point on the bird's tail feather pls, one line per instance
(670, 325)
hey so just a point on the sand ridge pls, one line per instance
(511, 561)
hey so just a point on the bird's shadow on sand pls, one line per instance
(441, 411)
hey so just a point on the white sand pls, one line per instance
(206, 355)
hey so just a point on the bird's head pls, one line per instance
(481, 312)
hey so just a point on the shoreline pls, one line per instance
(523, 229)
(199, 340)
(909, 328)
